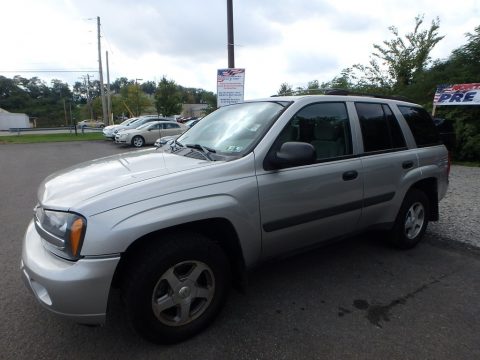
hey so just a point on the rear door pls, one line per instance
(387, 163)
(171, 129)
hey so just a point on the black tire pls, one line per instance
(146, 286)
(411, 221)
(138, 141)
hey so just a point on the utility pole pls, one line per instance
(89, 100)
(102, 90)
(138, 96)
(230, 41)
(65, 112)
(109, 98)
(86, 83)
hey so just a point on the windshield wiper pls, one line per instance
(204, 149)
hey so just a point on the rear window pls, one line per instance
(421, 124)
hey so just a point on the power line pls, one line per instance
(48, 71)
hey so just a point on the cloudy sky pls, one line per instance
(277, 41)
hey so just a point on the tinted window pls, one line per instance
(421, 124)
(325, 126)
(380, 129)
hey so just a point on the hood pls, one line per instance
(111, 127)
(70, 187)
(128, 131)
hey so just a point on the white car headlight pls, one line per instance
(63, 232)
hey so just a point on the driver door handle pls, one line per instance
(350, 175)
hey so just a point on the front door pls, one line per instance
(308, 204)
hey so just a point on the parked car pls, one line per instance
(191, 123)
(165, 140)
(252, 181)
(447, 132)
(184, 119)
(147, 133)
(110, 131)
(90, 124)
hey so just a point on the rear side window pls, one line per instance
(171, 126)
(421, 124)
(380, 129)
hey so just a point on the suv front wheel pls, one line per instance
(176, 288)
(412, 220)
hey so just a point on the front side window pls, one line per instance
(325, 126)
(380, 128)
(234, 129)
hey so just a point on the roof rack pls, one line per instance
(345, 92)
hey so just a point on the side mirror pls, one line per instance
(291, 154)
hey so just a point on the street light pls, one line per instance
(138, 95)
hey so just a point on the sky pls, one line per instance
(276, 41)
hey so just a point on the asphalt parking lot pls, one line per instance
(357, 299)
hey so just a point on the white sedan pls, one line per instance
(148, 133)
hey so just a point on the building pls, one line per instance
(10, 120)
(196, 110)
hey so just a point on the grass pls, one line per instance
(41, 138)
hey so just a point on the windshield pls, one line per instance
(234, 129)
(128, 121)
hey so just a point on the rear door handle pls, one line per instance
(407, 164)
(350, 175)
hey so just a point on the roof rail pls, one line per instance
(345, 92)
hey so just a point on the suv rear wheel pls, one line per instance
(412, 220)
(176, 288)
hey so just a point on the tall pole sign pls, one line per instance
(230, 41)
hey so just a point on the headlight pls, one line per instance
(63, 232)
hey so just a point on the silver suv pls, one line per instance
(173, 228)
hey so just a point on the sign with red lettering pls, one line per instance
(459, 94)
(230, 85)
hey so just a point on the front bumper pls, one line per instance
(75, 290)
(119, 140)
(108, 134)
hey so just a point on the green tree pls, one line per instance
(135, 99)
(285, 89)
(120, 83)
(209, 98)
(148, 87)
(167, 98)
(12, 97)
(398, 61)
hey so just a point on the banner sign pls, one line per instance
(459, 94)
(230, 86)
